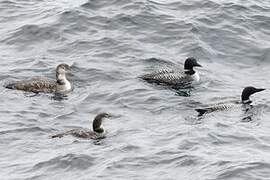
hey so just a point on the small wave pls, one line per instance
(29, 34)
(67, 162)
(155, 60)
(136, 162)
(98, 4)
(18, 130)
(253, 170)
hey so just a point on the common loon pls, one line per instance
(98, 131)
(43, 84)
(175, 76)
(246, 93)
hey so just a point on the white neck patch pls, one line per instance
(67, 85)
(196, 76)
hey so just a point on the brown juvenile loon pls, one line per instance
(175, 76)
(98, 131)
(43, 84)
(246, 93)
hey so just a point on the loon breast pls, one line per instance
(66, 86)
(196, 77)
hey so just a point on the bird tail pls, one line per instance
(57, 135)
(201, 111)
(146, 77)
(10, 86)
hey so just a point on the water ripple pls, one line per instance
(154, 132)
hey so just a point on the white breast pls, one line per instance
(67, 85)
(196, 77)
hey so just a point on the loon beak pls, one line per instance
(67, 67)
(197, 64)
(259, 90)
(108, 116)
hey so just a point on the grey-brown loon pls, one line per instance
(43, 84)
(246, 93)
(171, 76)
(98, 131)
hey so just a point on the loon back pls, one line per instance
(35, 85)
(79, 133)
(170, 76)
(40, 84)
(219, 107)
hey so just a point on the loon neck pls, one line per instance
(190, 71)
(99, 130)
(247, 101)
(61, 79)
(97, 125)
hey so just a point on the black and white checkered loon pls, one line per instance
(98, 131)
(246, 93)
(171, 76)
(43, 84)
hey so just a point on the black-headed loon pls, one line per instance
(246, 93)
(175, 76)
(43, 84)
(98, 131)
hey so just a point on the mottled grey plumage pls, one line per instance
(246, 93)
(175, 76)
(220, 107)
(98, 131)
(43, 84)
(167, 77)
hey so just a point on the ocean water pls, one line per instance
(155, 132)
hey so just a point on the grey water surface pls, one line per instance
(155, 132)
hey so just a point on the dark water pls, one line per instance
(155, 133)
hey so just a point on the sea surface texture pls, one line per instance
(155, 133)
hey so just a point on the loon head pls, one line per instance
(98, 121)
(248, 91)
(190, 63)
(61, 70)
